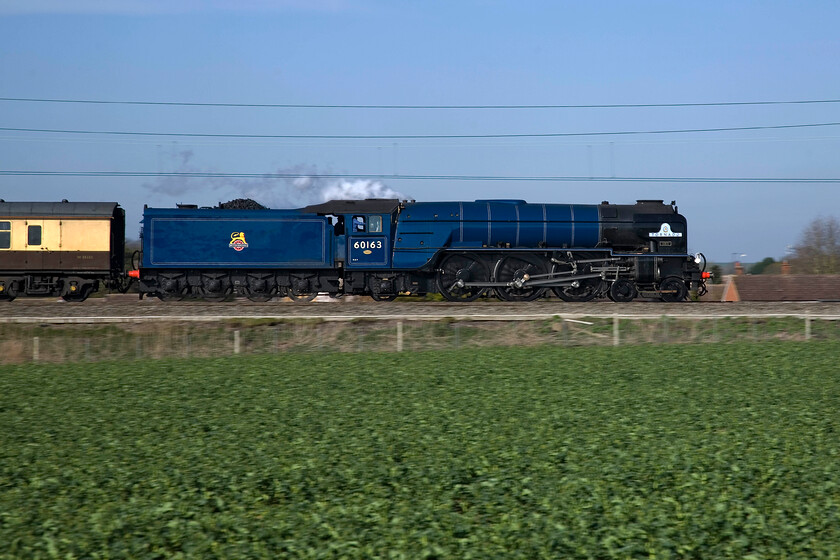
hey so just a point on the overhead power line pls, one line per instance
(415, 136)
(544, 178)
(423, 107)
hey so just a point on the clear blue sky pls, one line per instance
(470, 52)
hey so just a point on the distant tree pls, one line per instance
(760, 267)
(717, 273)
(818, 251)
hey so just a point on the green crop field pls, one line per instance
(698, 451)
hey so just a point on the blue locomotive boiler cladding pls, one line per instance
(383, 247)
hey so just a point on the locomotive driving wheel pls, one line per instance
(455, 271)
(578, 290)
(516, 271)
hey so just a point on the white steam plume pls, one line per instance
(295, 192)
(345, 189)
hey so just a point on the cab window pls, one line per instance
(375, 224)
(5, 235)
(359, 224)
(33, 236)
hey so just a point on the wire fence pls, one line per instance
(90, 342)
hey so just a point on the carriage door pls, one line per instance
(34, 245)
(367, 243)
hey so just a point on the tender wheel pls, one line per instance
(260, 290)
(622, 291)
(673, 289)
(457, 269)
(171, 288)
(214, 297)
(517, 270)
(258, 297)
(375, 296)
(173, 296)
(214, 288)
(302, 298)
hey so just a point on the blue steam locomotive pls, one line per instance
(384, 247)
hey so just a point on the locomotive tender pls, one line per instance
(383, 247)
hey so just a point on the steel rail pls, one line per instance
(404, 317)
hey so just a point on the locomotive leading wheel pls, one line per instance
(673, 289)
(622, 291)
(516, 270)
(376, 296)
(455, 271)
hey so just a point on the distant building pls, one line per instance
(778, 287)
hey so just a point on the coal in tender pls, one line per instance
(242, 204)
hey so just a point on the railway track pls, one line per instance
(126, 308)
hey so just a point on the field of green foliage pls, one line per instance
(698, 451)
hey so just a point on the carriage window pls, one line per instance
(375, 224)
(5, 235)
(358, 223)
(34, 235)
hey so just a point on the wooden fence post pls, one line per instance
(615, 330)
